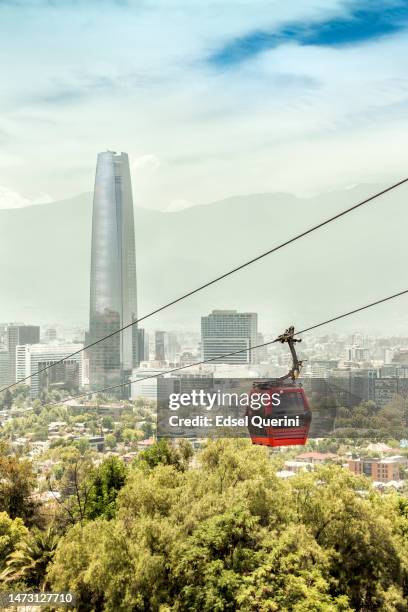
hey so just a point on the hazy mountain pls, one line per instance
(45, 259)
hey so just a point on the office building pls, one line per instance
(262, 351)
(160, 346)
(67, 375)
(379, 470)
(352, 386)
(147, 386)
(357, 353)
(229, 331)
(173, 347)
(19, 335)
(146, 345)
(51, 334)
(400, 356)
(5, 371)
(3, 335)
(142, 353)
(113, 274)
(386, 389)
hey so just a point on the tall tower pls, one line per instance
(113, 274)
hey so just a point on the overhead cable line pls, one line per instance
(214, 280)
(250, 348)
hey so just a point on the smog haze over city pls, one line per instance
(236, 106)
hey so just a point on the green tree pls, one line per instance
(228, 534)
(164, 452)
(110, 441)
(11, 532)
(294, 575)
(7, 400)
(107, 422)
(37, 407)
(17, 481)
(76, 564)
(128, 435)
(357, 531)
(83, 445)
(105, 484)
(147, 428)
(74, 486)
(29, 560)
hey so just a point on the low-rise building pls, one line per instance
(55, 426)
(298, 466)
(285, 474)
(379, 470)
(97, 443)
(143, 444)
(316, 457)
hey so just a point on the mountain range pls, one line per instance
(45, 260)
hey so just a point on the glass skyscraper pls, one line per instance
(113, 302)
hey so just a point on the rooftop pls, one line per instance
(315, 456)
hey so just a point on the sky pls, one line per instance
(210, 98)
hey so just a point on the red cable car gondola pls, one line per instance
(285, 422)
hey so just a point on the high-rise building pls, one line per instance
(146, 345)
(173, 346)
(51, 334)
(160, 346)
(142, 347)
(113, 274)
(262, 351)
(357, 353)
(229, 331)
(3, 335)
(67, 375)
(5, 373)
(20, 335)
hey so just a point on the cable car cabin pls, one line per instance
(285, 419)
(283, 424)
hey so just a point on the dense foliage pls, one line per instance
(219, 531)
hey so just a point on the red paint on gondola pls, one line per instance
(293, 404)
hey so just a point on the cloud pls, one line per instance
(147, 162)
(13, 199)
(58, 3)
(138, 80)
(364, 22)
(82, 86)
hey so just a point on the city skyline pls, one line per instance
(170, 242)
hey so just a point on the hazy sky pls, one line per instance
(210, 98)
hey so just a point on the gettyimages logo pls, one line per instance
(201, 398)
(254, 404)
